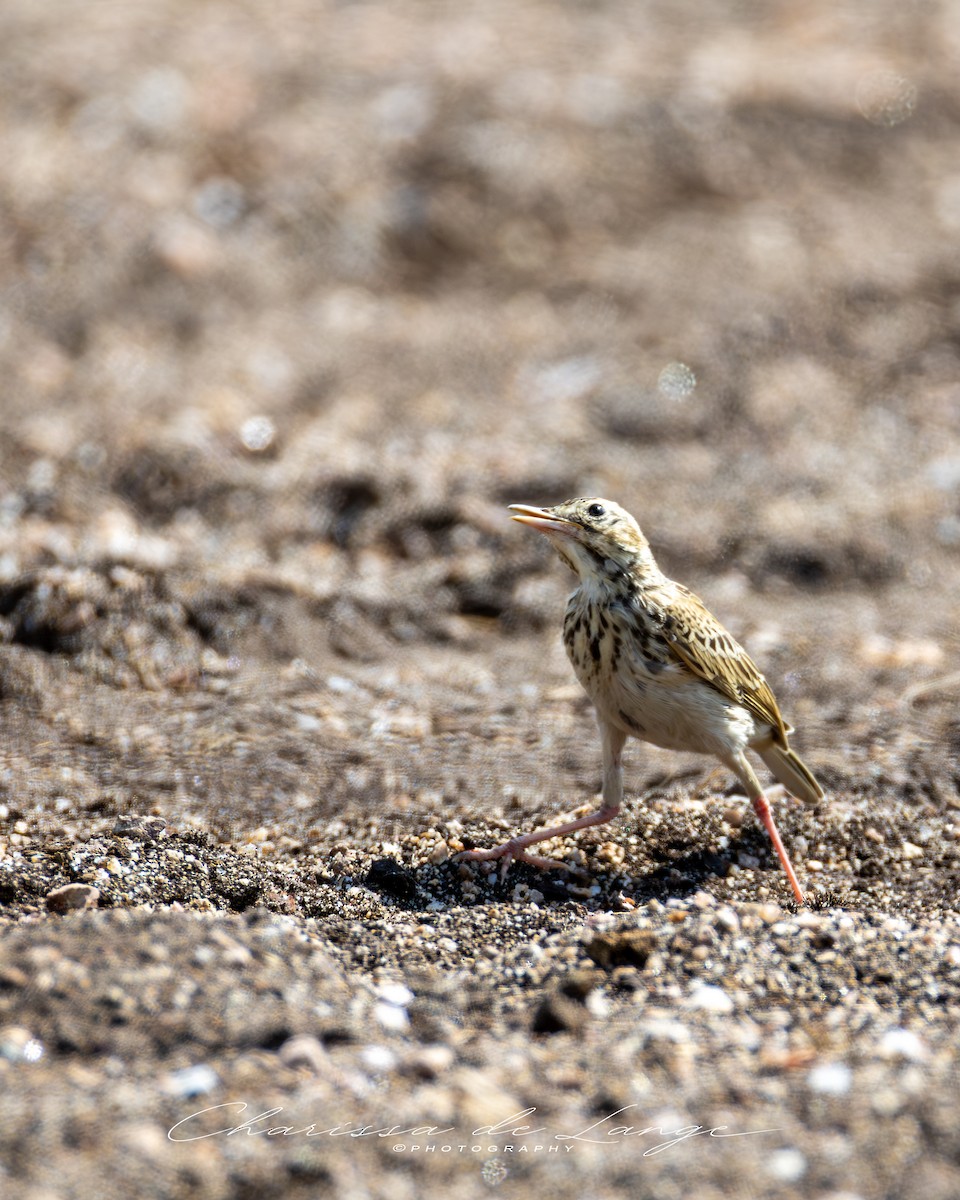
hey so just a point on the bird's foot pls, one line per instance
(513, 851)
(516, 849)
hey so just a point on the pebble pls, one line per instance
(19, 1045)
(378, 1059)
(397, 994)
(404, 723)
(72, 896)
(902, 1043)
(440, 852)
(830, 1079)
(133, 825)
(728, 920)
(621, 947)
(391, 1017)
(192, 1081)
(788, 1165)
(431, 1061)
(710, 998)
(304, 1050)
(666, 1030)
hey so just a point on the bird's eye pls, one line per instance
(596, 510)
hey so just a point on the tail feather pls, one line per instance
(792, 772)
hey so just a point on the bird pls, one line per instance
(658, 667)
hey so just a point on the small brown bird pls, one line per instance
(657, 666)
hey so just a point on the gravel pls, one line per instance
(297, 299)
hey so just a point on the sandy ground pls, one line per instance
(296, 298)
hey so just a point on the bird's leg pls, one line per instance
(612, 741)
(761, 807)
(516, 849)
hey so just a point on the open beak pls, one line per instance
(542, 519)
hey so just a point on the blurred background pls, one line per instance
(296, 297)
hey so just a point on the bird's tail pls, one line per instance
(792, 772)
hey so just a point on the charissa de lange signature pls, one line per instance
(600, 1132)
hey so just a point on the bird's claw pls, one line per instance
(513, 851)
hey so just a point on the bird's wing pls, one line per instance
(699, 641)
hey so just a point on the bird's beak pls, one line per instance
(542, 519)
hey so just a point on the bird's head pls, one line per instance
(596, 538)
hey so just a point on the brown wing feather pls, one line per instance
(699, 641)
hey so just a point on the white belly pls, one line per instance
(673, 709)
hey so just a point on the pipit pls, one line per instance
(658, 666)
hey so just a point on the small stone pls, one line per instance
(666, 1033)
(18, 1045)
(710, 998)
(557, 1013)
(830, 1079)
(430, 1061)
(402, 723)
(304, 1050)
(565, 1008)
(12, 977)
(392, 1018)
(143, 828)
(902, 1043)
(389, 878)
(378, 1059)
(621, 948)
(728, 920)
(73, 896)
(788, 1165)
(397, 994)
(197, 1080)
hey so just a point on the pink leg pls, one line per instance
(516, 849)
(762, 808)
